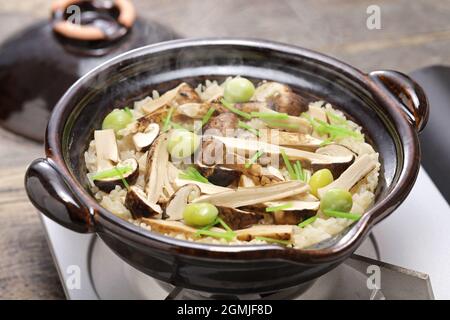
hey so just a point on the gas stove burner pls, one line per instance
(177, 293)
(109, 277)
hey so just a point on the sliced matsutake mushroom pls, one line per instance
(270, 174)
(179, 200)
(174, 227)
(206, 188)
(168, 226)
(253, 195)
(182, 94)
(357, 171)
(302, 197)
(219, 175)
(279, 232)
(281, 98)
(235, 145)
(294, 140)
(291, 123)
(238, 218)
(295, 213)
(246, 181)
(335, 150)
(137, 202)
(108, 184)
(157, 184)
(106, 149)
(223, 124)
(193, 110)
(143, 140)
(294, 124)
(142, 124)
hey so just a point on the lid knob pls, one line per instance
(93, 20)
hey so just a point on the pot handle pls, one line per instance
(49, 192)
(409, 95)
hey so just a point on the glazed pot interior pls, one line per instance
(132, 77)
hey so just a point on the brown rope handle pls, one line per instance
(127, 17)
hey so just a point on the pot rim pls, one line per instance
(103, 218)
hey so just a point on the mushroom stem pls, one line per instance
(253, 195)
(250, 146)
(358, 170)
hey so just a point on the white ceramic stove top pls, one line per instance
(416, 237)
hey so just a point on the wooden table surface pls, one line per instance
(413, 34)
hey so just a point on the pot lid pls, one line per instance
(38, 64)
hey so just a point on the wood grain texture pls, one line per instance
(413, 34)
(26, 267)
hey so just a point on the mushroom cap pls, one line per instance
(280, 232)
(238, 218)
(335, 150)
(219, 175)
(108, 184)
(281, 98)
(143, 140)
(179, 200)
(136, 201)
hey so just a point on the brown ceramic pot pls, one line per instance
(390, 106)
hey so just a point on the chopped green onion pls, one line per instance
(245, 126)
(339, 214)
(111, 173)
(253, 159)
(197, 174)
(192, 174)
(230, 106)
(335, 131)
(299, 171)
(167, 121)
(288, 165)
(207, 116)
(224, 225)
(306, 175)
(307, 221)
(338, 130)
(302, 171)
(270, 240)
(177, 126)
(335, 118)
(229, 234)
(124, 181)
(221, 235)
(270, 115)
(313, 122)
(282, 125)
(279, 208)
(209, 226)
(127, 110)
(174, 125)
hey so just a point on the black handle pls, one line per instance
(410, 96)
(49, 193)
